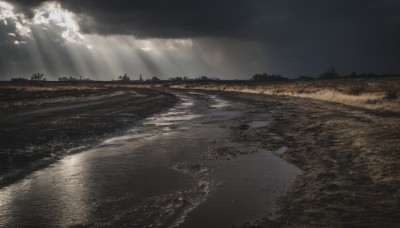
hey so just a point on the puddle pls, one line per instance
(249, 186)
(219, 104)
(167, 120)
(258, 124)
(134, 178)
(281, 150)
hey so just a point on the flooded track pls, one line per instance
(164, 172)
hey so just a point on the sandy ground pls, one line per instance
(40, 126)
(349, 156)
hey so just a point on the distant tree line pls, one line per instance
(202, 78)
(264, 77)
(153, 79)
(206, 78)
(34, 77)
(330, 73)
(73, 79)
(369, 75)
(19, 80)
(126, 78)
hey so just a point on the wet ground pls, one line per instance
(39, 127)
(349, 156)
(178, 168)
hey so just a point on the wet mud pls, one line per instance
(215, 159)
(177, 168)
(39, 127)
(349, 156)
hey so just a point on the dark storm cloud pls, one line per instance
(155, 18)
(237, 18)
(298, 37)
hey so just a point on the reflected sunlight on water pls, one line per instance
(153, 174)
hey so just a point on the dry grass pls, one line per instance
(369, 94)
(374, 94)
(36, 94)
(32, 87)
(349, 158)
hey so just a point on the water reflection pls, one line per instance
(138, 177)
(56, 196)
(110, 179)
(258, 124)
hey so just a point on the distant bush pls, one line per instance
(125, 78)
(356, 90)
(391, 94)
(176, 79)
(67, 79)
(19, 80)
(370, 75)
(153, 79)
(305, 78)
(206, 79)
(269, 77)
(73, 79)
(330, 73)
(38, 77)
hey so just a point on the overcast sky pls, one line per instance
(223, 38)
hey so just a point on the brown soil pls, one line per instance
(39, 126)
(222, 153)
(350, 156)
(350, 159)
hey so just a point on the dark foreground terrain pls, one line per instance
(177, 168)
(212, 155)
(40, 125)
(350, 159)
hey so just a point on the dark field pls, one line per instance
(41, 124)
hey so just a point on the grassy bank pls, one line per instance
(374, 94)
(370, 93)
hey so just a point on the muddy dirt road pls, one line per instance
(350, 159)
(39, 127)
(210, 159)
(178, 168)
